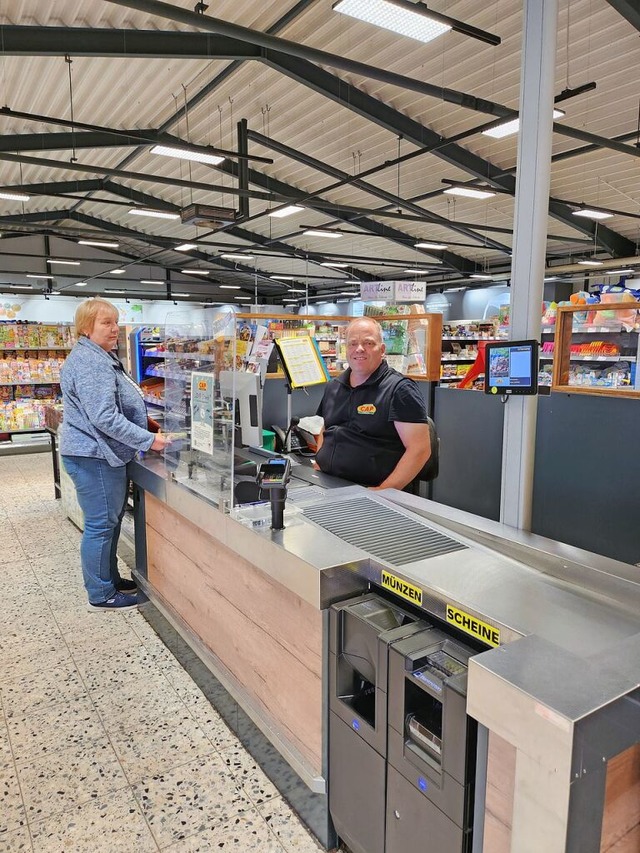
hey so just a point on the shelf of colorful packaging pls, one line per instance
(34, 349)
(31, 382)
(459, 357)
(189, 356)
(612, 358)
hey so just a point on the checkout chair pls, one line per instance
(432, 466)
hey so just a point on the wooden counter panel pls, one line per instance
(621, 819)
(501, 771)
(267, 637)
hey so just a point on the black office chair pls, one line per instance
(431, 466)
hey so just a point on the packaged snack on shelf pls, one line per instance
(23, 392)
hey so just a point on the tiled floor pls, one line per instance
(106, 744)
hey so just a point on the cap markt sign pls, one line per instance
(393, 291)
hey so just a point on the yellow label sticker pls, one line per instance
(473, 626)
(202, 385)
(400, 587)
(366, 409)
(494, 390)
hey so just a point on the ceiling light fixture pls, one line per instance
(290, 209)
(337, 265)
(21, 286)
(14, 196)
(158, 214)
(417, 272)
(481, 276)
(198, 156)
(469, 192)
(283, 277)
(195, 272)
(38, 275)
(291, 300)
(81, 284)
(181, 294)
(151, 281)
(69, 263)
(430, 246)
(619, 272)
(185, 247)
(100, 244)
(591, 263)
(230, 287)
(321, 232)
(509, 128)
(296, 290)
(119, 271)
(590, 213)
(409, 19)
(111, 290)
(230, 257)
(54, 293)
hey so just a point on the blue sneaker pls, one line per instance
(126, 586)
(120, 601)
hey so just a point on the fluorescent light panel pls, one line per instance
(469, 192)
(430, 246)
(187, 154)
(335, 264)
(21, 286)
(230, 257)
(508, 128)
(152, 281)
(284, 277)
(81, 284)
(286, 211)
(390, 16)
(590, 213)
(14, 196)
(619, 272)
(119, 271)
(229, 286)
(321, 232)
(417, 272)
(101, 244)
(111, 290)
(195, 272)
(481, 276)
(591, 263)
(69, 263)
(37, 275)
(158, 214)
(181, 294)
(185, 247)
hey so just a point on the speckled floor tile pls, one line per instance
(51, 686)
(286, 826)
(51, 729)
(15, 569)
(106, 637)
(158, 745)
(212, 723)
(246, 834)
(124, 709)
(35, 659)
(246, 772)
(12, 815)
(18, 841)
(190, 799)
(107, 672)
(57, 542)
(69, 777)
(108, 824)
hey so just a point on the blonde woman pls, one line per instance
(105, 425)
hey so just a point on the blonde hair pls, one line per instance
(88, 311)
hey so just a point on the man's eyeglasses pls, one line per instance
(369, 343)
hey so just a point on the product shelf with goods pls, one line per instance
(460, 343)
(596, 354)
(31, 357)
(412, 339)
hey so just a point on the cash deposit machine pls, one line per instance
(401, 748)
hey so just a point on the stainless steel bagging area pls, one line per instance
(432, 680)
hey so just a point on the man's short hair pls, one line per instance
(88, 311)
(376, 327)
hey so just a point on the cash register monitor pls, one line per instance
(247, 391)
(511, 367)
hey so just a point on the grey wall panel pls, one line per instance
(469, 424)
(587, 474)
(274, 402)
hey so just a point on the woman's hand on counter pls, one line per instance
(160, 442)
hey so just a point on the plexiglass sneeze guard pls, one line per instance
(199, 397)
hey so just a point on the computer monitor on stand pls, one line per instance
(246, 391)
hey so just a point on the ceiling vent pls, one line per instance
(206, 214)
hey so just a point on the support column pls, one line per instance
(529, 248)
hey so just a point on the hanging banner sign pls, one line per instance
(393, 291)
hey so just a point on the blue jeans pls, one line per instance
(102, 495)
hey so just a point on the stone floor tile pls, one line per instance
(18, 841)
(12, 815)
(52, 686)
(256, 785)
(54, 728)
(246, 834)
(190, 799)
(287, 828)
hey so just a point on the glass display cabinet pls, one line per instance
(596, 349)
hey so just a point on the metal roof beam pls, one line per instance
(64, 140)
(629, 9)
(85, 41)
(58, 187)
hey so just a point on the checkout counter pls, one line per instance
(432, 681)
(416, 677)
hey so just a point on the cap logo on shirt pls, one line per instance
(366, 409)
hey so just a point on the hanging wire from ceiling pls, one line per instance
(73, 158)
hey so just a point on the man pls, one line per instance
(376, 431)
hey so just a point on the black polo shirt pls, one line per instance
(360, 441)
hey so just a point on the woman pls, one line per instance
(105, 425)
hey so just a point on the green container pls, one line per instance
(269, 440)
